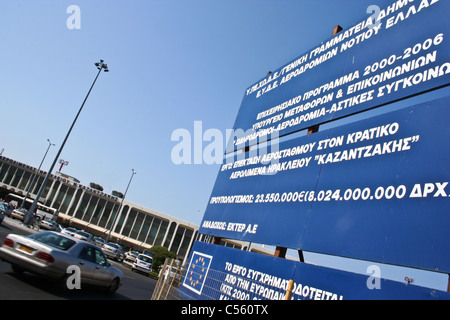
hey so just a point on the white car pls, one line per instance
(130, 256)
(19, 214)
(69, 231)
(113, 251)
(49, 225)
(143, 263)
(83, 235)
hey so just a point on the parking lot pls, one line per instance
(25, 286)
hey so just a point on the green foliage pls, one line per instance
(159, 255)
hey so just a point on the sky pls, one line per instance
(172, 63)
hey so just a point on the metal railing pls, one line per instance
(169, 281)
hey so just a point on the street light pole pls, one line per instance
(63, 163)
(36, 174)
(100, 66)
(120, 207)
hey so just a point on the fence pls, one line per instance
(169, 281)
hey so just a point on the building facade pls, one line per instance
(95, 211)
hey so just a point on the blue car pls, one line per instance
(6, 208)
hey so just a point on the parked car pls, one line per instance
(69, 231)
(129, 257)
(169, 273)
(83, 235)
(19, 214)
(99, 241)
(2, 216)
(143, 263)
(113, 250)
(6, 208)
(49, 225)
(49, 254)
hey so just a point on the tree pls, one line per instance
(159, 255)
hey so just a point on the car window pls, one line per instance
(100, 257)
(53, 240)
(145, 259)
(87, 254)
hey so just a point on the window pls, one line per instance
(100, 257)
(94, 255)
(98, 210)
(60, 197)
(110, 207)
(67, 199)
(90, 208)
(87, 254)
(16, 179)
(129, 223)
(75, 202)
(83, 205)
(137, 225)
(25, 180)
(53, 240)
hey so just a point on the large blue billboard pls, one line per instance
(376, 189)
(402, 51)
(220, 273)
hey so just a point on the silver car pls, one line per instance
(49, 225)
(19, 214)
(113, 251)
(50, 254)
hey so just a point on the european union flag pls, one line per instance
(195, 276)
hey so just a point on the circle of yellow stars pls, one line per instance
(200, 262)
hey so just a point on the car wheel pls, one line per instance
(113, 286)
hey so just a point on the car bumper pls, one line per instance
(29, 264)
(16, 216)
(142, 269)
(110, 254)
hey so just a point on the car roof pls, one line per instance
(68, 236)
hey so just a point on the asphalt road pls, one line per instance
(135, 286)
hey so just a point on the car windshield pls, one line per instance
(145, 259)
(53, 240)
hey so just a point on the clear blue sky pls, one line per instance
(171, 63)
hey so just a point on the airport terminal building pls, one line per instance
(93, 210)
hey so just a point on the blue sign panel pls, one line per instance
(376, 189)
(403, 51)
(240, 275)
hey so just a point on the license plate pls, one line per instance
(24, 249)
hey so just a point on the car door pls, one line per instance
(103, 268)
(88, 266)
